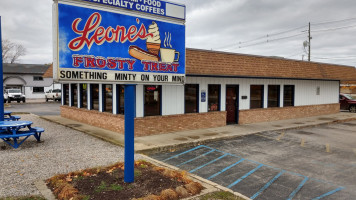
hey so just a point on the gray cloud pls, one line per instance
(214, 23)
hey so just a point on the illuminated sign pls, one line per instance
(101, 46)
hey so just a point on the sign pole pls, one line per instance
(2, 80)
(129, 132)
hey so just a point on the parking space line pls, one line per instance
(268, 184)
(254, 170)
(188, 161)
(191, 171)
(225, 169)
(329, 193)
(280, 136)
(327, 146)
(182, 153)
(298, 188)
(302, 142)
(245, 176)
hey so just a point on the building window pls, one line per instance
(84, 93)
(107, 98)
(66, 94)
(37, 78)
(191, 96)
(95, 96)
(74, 95)
(121, 99)
(38, 89)
(153, 100)
(256, 96)
(213, 98)
(288, 98)
(273, 96)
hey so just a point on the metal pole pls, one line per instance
(129, 132)
(309, 44)
(2, 80)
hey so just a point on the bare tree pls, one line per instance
(11, 51)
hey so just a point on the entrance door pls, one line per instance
(232, 104)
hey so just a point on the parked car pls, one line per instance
(54, 95)
(14, 95)
(347, 102)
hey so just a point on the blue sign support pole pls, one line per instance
(129, 132)
(2, 81)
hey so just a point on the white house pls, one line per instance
(33, 80)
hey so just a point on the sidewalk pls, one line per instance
(171, 141)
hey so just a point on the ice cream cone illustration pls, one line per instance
(153, 43)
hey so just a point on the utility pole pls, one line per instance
(309, 37)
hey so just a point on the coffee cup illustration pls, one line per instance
(169, 55)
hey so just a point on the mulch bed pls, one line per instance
(107, 183)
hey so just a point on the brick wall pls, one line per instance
(107, 121)
(274, 114)
(146, 125)
(172, 123)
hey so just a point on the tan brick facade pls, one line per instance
(107, 121)
(146, 125)
(274, 114)
(172, 123)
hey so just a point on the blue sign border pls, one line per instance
(154, 7)
(69, 13)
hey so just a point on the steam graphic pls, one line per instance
(167, 40)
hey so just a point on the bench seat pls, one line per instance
(12, 118)
(35, 131)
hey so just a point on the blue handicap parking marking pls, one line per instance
(249, 177)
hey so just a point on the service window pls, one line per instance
(95, 96)
(214, 98)
(191, 97)
(273, 96)
(256, 96)
(288, 97)
(84, 93)
(107, 98)
(66, 94)
(75, 94)
(153, 100)
(121, 99)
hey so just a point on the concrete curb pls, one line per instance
(188, 144)
(44, 190)
(180, 145)
(209, 185)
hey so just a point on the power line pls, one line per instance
(335, 21)
(332, 58)
(262, 37)
(333, 29)
(273, 40)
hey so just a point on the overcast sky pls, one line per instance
(241, 26)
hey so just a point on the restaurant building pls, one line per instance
(220, 88)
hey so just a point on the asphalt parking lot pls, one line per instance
(38, 108)
(308, 163)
